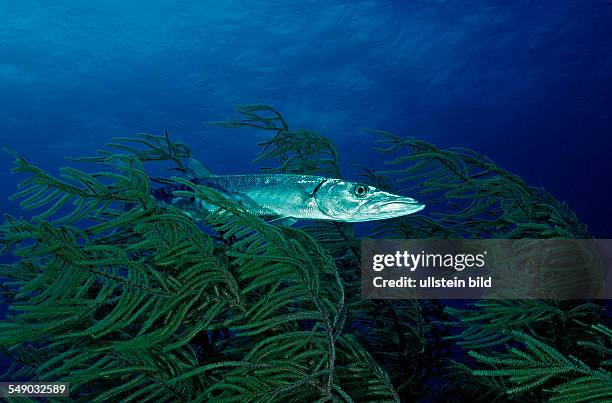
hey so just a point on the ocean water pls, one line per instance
(526, 83)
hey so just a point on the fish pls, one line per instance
(286, 198)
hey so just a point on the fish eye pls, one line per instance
(360, 190)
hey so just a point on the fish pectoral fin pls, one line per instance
(242, 199)
(286, 221)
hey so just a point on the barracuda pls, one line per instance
(290, 197)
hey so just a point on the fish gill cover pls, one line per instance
(130, 299)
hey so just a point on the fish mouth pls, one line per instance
(399, 207)
(390, 207)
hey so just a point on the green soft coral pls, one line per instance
(130, 299)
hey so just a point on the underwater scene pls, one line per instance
(190, 191)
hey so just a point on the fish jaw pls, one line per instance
(386, 206)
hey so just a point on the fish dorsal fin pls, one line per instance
(196, 169)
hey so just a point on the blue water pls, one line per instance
(529, 84)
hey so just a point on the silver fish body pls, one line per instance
(296, 196)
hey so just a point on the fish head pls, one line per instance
(355, 202)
